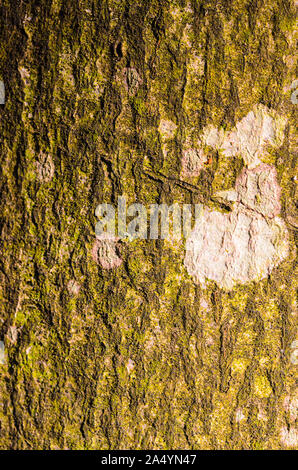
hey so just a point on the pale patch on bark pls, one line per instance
(104, 252)
(12, 334)
(289, 437)
(294, 353)
(2, 353)
(2, 92)
(239, 416)
(251, 136)
(45, 168)
(73, 287)
(246, 244)
(204, 305)
(192, 162)
(291, 407)
(258, 189)
(186, 39)
(167, 129)
(294, 357)
(212, 137)
(25, 75)
(196, 65)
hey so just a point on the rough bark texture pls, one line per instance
(103, 98)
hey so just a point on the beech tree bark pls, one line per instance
(129, 352)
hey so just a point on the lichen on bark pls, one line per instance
(102, 99)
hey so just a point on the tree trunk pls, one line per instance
(117, 346)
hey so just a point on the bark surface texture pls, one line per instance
(112, 344)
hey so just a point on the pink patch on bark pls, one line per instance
(45, 168)
(192, 162)
(258, 189)
(104, 251)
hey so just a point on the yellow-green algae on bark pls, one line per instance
(102, 98)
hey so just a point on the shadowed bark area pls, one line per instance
(102, 98)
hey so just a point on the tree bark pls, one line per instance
(138, 356)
